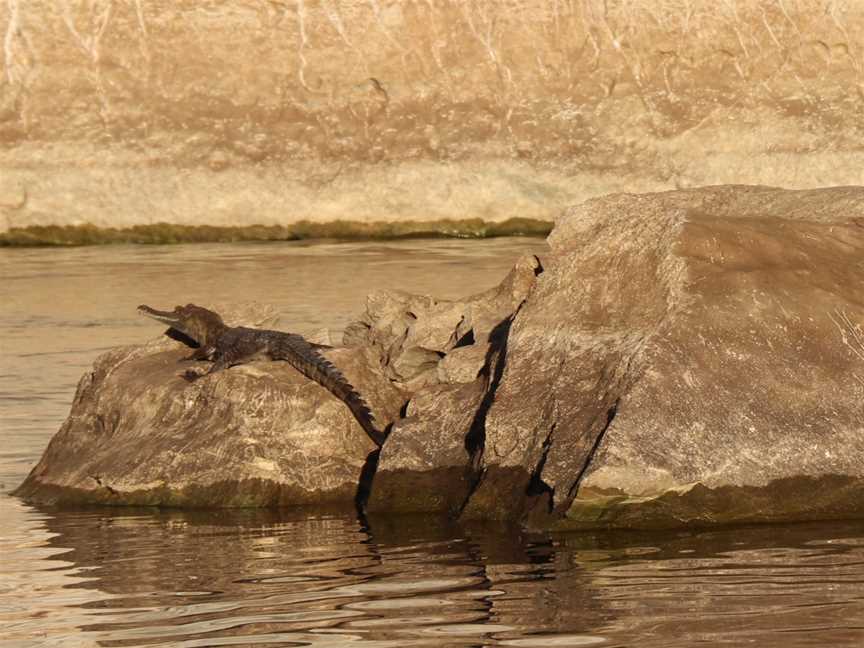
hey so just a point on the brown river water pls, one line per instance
(144, 577)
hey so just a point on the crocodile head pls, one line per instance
(194, 322)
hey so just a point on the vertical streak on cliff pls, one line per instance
(436, 44)
(379, 21)
(335, 19)
(12, 30)
(91, 45)
(486, 38)
(301, 46)
(19, 59)
(144, 40)
(635, 68)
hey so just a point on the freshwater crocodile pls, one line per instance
(227, 346)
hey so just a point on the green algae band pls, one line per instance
(166, 233)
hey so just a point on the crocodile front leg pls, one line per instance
(201, 353)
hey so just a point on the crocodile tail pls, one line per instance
(307, 360)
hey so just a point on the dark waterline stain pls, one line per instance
(168, 233)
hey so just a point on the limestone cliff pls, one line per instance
(247, 112)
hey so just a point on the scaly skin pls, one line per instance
(227, 346)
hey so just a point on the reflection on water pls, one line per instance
(129, 577)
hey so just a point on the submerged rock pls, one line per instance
(689, 357)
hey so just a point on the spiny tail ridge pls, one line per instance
(308, 361)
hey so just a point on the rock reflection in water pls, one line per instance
(139, 577)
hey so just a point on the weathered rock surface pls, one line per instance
(686, 357)
(751, 402)
(426, 463)
(259, 434)
(120, 114)
(693, 356)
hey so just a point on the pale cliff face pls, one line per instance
(247, 111)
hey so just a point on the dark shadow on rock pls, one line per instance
(610, 416)
(540, 496)
(181, 337)
(496, 358)
(364, 483)
(465, 340)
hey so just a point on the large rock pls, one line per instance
(691, 356)
(259, 434)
